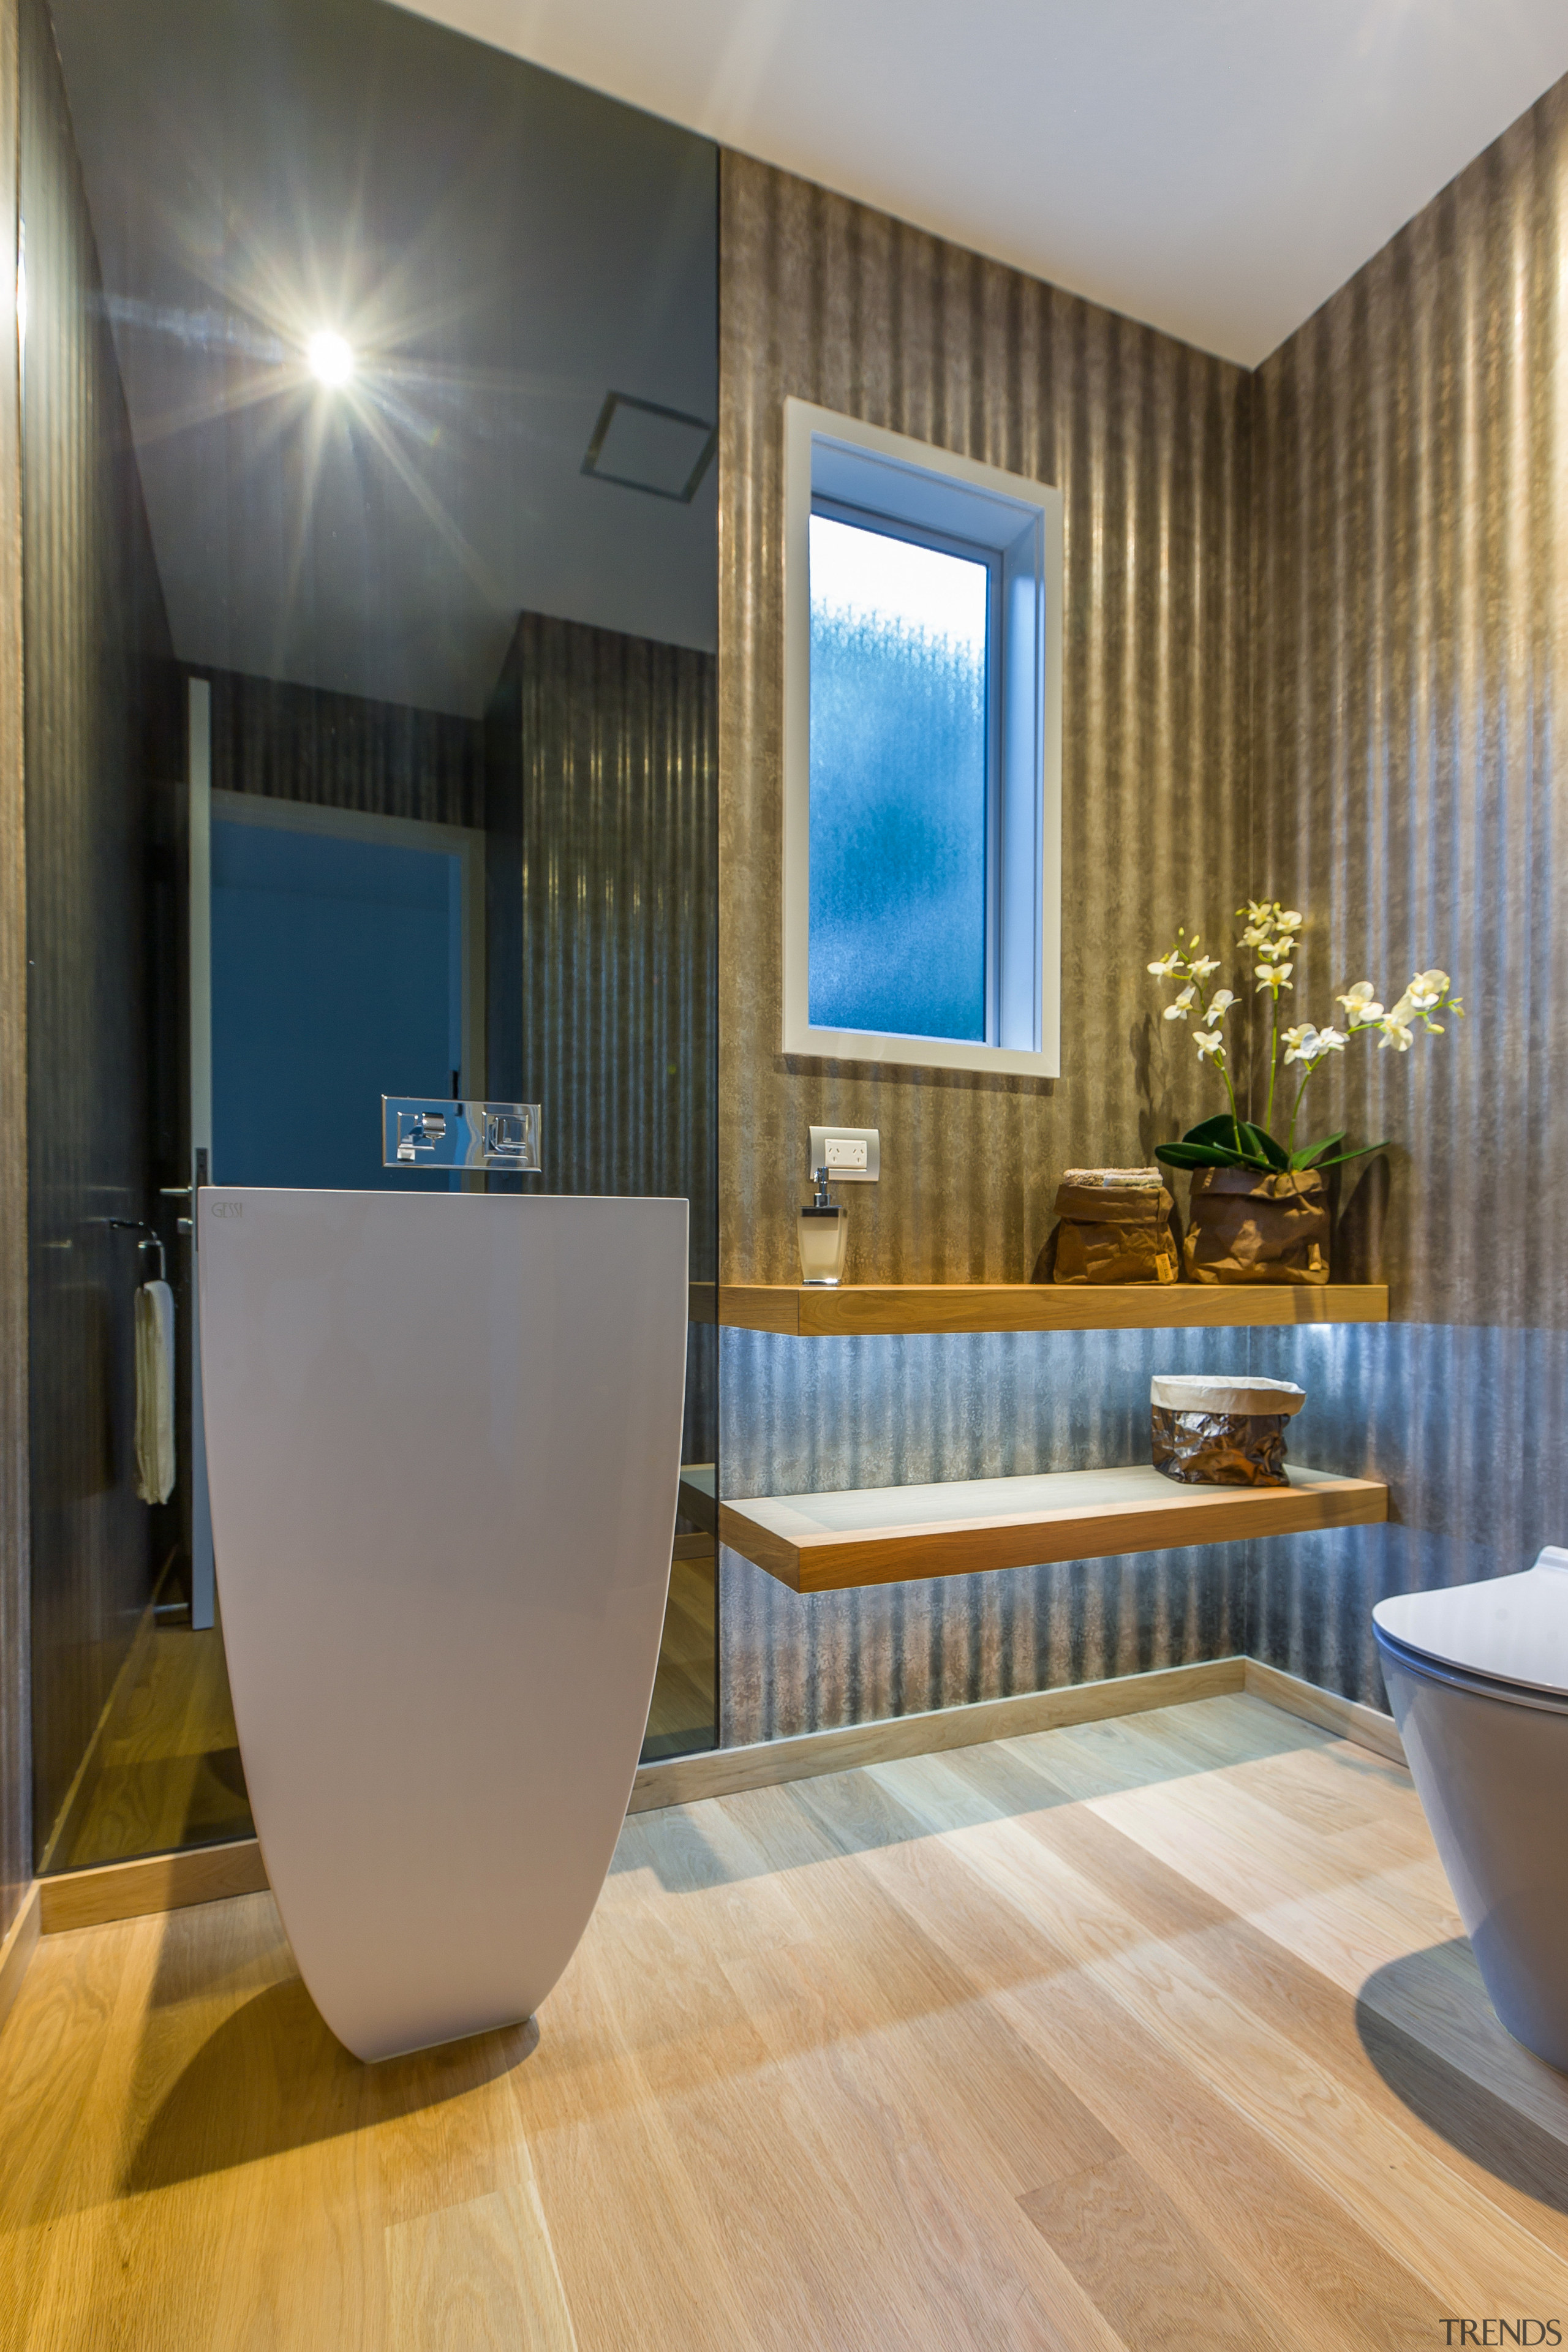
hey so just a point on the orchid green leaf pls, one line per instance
(1307, 1157)
(1340, 1157)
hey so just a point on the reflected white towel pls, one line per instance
(154, 1392)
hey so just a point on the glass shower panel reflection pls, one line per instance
(397, 322)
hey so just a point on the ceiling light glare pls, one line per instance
(331, 358)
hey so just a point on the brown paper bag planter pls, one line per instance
(1115, 1227)
(1244, 1226)
(1219, 1433)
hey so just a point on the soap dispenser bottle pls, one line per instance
(824, 1236)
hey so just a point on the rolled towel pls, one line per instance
(154, 1392)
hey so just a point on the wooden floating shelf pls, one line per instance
(890, 1535)
(908, 1307)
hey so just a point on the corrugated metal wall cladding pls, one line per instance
(337, 750)
(1465, 1423)
(618, 984)
(15, 1728)
(1149, 441)
(793, 1664)
(98, 660)
(603, 777)
(1411, 563)
(807, 1415)
(816, 1414)
(1372, 739)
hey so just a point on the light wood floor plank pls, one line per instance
(897, 2154)
(1309, 2009)
(477, 2277)
(1391, 1936)
(1232, 2183)
(1407, 2198)
(1141, 2265)
(1125, 2037)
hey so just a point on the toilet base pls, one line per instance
(1491, 1771)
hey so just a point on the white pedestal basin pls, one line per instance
(444, 1443)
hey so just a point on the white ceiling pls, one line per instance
(1217, 167)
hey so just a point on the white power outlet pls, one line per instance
(852, 1155)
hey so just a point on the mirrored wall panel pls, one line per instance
(371, 407)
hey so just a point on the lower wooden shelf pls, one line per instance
(889, 1535)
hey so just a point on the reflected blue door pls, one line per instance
(336, 978)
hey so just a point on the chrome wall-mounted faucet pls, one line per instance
(418, 1132)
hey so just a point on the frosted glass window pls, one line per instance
(921, 816)
(898, 891)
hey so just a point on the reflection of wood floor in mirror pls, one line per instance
(166, 1769)
(684, 1711)
(1149, 2033)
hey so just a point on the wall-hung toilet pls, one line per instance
(443, 1436)
(1478, 1677)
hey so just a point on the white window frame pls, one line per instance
(913, 488)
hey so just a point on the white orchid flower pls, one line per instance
(1168, 964)
(1210, 1045)
(1220, 1003)
(1273, 975)
(1254, 935)
(1427, 989)
(1202, 966)
(1182, 1005)
(1257, 910)
(1288, 921)
(1396, 1033)
(1310, 1044)
(1362, 1007)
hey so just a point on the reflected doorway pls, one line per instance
(340, 961)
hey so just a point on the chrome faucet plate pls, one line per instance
(418, 1131)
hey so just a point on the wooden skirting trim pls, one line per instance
(17, 1948)
(1367, 1725)
(157, 1882)
(683, 1779)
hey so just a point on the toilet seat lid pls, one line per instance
(1512, 1629)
